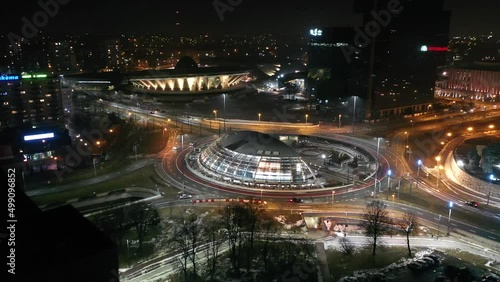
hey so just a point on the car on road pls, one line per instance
(296, 200)
(185, 196)
(176, 147)
(472, 204)
(192, 143)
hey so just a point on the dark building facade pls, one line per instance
(333, 72)
(60, 245)
(407, 41)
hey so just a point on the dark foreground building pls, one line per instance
(60, 245)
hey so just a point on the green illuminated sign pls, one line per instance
(28, 76)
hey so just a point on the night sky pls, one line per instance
(198, 16)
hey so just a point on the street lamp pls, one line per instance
(215, 113)
(389, 172)
(261, 194)
(323, 156)
(376, 167)
(492, 178)
(419, 164)
(306, 117)
(354, 113)
(333, 197)
(438, 159)
(450, 205)
(224, 95)
(470, 128)
(393, 198)
(259, 117)
(340, 117)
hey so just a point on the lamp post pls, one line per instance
(450, 205)
(492, 178)
(215, 113)
(354, 113)
(389, 172)
(393, 198)
(439, 225)
(182, 163)
(261, 194)
(163, 135)
(419, 164)
(376, 167)
(340, 117)
(306, 117)
(224, 95)
(323, 156)
(333, 197)
(438, 159)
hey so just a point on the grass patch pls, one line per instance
(139, 178)
(476, 260)
(342, 265)
(176, 212)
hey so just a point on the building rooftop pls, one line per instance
(256, 144)
(486, 66)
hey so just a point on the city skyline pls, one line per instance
(219, 17)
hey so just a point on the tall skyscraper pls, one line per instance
(332, 71)
(405, 43)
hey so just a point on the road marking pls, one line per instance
(491, 237)
(404, 209)
(453, 224)
(420, 213)
(472, 231)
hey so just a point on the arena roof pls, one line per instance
(256, 144)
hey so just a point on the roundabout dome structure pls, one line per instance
(251, 157)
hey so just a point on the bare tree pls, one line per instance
(252, 215)
(269, 229)
(347, 247)
(375, 217)
(187, 237)
(408, 224)
(143, 216)
(216, 238)
(233, 224)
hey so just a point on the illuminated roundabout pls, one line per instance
(248, 162)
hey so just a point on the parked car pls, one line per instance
(185, 196)
(296, 200)
(176, 147)
(192, 143)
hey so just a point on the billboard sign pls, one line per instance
(38, 136)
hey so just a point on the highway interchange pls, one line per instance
(422, 134)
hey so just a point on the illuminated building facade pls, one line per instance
(188, 79)
(31, 99)
(248, 157)
(470, 83)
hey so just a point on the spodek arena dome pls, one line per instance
(249, 157)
